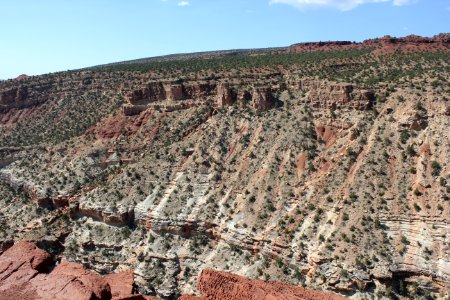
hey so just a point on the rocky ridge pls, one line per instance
(383, 45)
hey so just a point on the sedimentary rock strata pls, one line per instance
(262, 99)
(333, 96)
(225, 96)
(321, 94)
(324, 170)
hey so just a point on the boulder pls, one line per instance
(122, 284)
(71, 281)
(19, 264)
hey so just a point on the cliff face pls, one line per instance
(170, 91)
(155, 91)
(321, 94)
(327, 173)
(262, 99)
(22, 96)
(225, 96)
(328, 95)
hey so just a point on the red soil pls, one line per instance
(115, 125)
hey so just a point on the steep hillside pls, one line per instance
(325, 169)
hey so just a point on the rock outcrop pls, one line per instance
(22, 275)
(330, 95)
(199, 89)
(323, 46)
(321, 94)
(170, 90)
(28, 273)
(13, 98)
(174, 91)
(116, 218)
(216, 285)
(71, 281)
(262, 98)
(122, 284)
(25, 95)
(225, 95)
(22, 77)
(154, 91)
(24, 267)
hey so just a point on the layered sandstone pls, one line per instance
(225, 95)
(321, 94)
(338, 95)
(25, 95)
(170, 90)
(262, 98)
(174, 91)
(154, 91)
(199, 89)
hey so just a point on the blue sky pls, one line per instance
(41, 36)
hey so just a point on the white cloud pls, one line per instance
(336, 4)
(183, 3)
(403, 2)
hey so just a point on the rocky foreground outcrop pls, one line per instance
(27, 272)
(216, 285)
